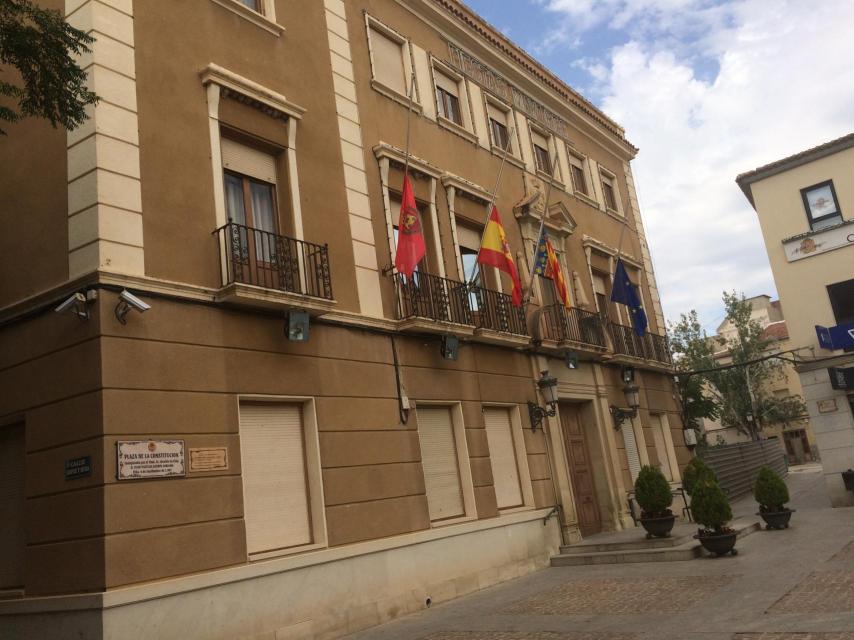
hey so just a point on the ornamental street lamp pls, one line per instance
(548, 389)
(632, 394)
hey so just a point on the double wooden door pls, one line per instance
(580, 470)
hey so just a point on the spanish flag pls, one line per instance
(495, 251)
(546, 264)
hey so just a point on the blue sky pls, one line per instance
(707, 89)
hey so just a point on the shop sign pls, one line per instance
(813, 244)
(209, 459)
(838, 337)
(78, 467)
(138, 459)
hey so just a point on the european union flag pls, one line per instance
(625, 293)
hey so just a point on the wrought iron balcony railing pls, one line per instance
(494, 310)
(650, 347)
(265, 259)
(577, 325)
(432, 297)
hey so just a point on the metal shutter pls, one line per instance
(502, 455)
(439, 460)
(248, 161)
(275, 493)
(388, 61)
(631, 449)
(660, 445)
(12, 542)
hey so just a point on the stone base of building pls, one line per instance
(315, 595)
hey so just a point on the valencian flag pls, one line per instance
(410, 238)
(495, 251)
(625, 293)
(546, 264)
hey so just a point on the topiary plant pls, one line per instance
(652, 492)
(710, 506)
(694, 471)
(770, 491)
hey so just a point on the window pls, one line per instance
(255, 5)
(603, 302)
(821, 205)
(541, 152)
(440, 462)
(276, 497)
(577, 174)
(387, 58)
(448, 97)
(609, 191)
(498, 127)
(658, 424)
(395, 204)
(502, 457)
(12, 542)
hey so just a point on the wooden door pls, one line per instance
(580, 470)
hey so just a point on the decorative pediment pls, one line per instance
(531, 208)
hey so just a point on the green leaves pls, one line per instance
(696, 472)
(770, 491)
(652, 492)
(710, 506)
(42, 47)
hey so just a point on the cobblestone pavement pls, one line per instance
(796, 584)
(621, 595)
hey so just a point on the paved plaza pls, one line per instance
(796, 584)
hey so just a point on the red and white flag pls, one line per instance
(410, 238)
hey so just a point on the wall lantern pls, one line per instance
(632, 393)
(548, 389)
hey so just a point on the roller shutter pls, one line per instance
(631, 450)
(275, 492)
(440, 463)
(248, 161)
(502, 456)
(388, 61)
(12, 542)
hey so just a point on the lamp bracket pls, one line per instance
(538, 414)
(621, 415)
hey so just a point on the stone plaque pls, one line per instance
(138, 459)
(827, 406)
(209, 459)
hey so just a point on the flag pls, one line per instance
(546, 264)
(410, 239)
(495, 252)
(625, 293)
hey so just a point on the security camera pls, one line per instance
(128, 301)
(76, 304)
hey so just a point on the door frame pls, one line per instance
(577, 410)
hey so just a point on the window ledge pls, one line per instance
(252, 16)
(585, 199)
(453, 127)
(511, 157)
(548, 178)
(614, 213)
(395, 95)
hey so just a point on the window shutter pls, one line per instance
(440, 463)
(540, 140)
(447, 83)
(660, 445)
(275, 494)
(468, 237)
(248, 161)
(502, 456)
(388, 61)
(631, 450)
(497, 114)
(599, 284)
(12, 542)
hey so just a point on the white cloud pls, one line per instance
(762, 81)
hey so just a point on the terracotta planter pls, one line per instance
(719, 544)
(658, 527)
(776, 519)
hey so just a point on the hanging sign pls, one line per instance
(838, 337)
(136, 459)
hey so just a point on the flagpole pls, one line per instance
(493, 198)
(540, 233)
(408, 125)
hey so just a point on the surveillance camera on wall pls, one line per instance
(128, 301)
(77, 303)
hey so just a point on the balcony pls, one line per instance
(577, 326)
(494, 311)
(651, 347)
(272, 268)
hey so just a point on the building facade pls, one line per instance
(796, 436)
(224, 411)
(804, 205)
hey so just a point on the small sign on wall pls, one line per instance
(827, 406)
(209, 459)
(137, 459)
(78, 467)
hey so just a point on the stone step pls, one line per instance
(630, 545)
(686, 549)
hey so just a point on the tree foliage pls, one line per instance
(770, 491)
(710, 506)
(41, 46)
(652, 492)
(731, 394)
(696, 472)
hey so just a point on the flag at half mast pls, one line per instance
(625, 293)
(410, 238)
(495, 251)
(546, 264)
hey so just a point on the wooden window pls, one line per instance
(250, 185)
(498, 127)
(576, 170)
(609, 192)
(275, 489)
(440, 463)
(448, 97)
(12, 541)
(631, 446)
(541, 152)
(387, 54)
(502, 457)
(658, 425)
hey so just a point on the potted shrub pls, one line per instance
(711, 509)
(772, 494)
(693, 472)
(653, 495)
